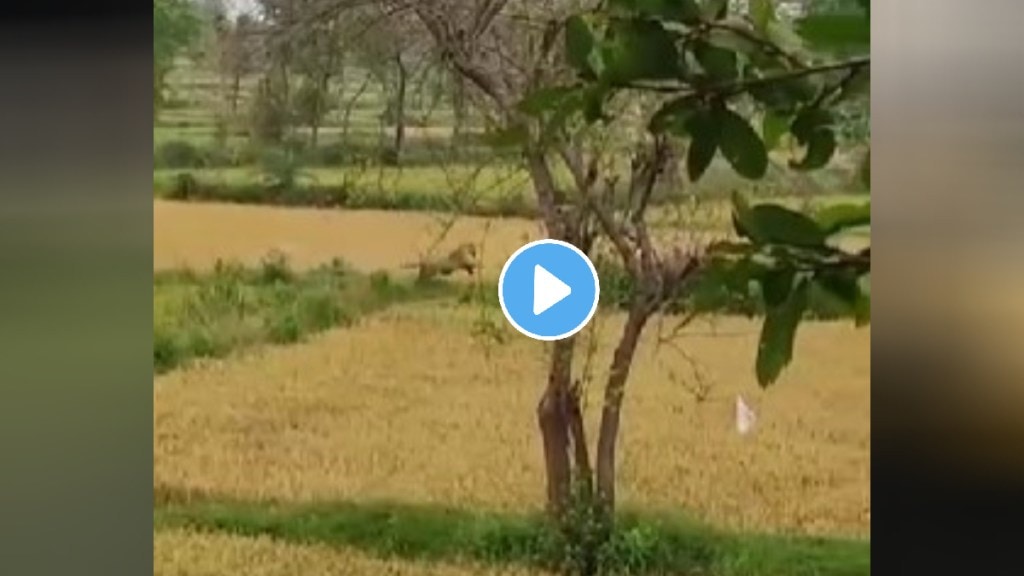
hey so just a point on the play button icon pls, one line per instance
(548, 290)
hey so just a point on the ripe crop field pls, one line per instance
(409, 407)
(197, 235)
(178, 553)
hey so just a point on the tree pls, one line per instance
(236, 54)
(176, 28)
(589, 85)
(318, 58)
(393, 46)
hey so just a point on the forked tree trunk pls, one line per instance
(614, 392)
(400, 109)
(553, 419)
(559, 414)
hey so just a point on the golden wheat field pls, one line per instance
(197, 235)
(407, 405)
(183, 553)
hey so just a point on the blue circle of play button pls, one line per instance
(548, 290)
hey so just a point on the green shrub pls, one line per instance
(334, 154)
(233, 306)
(281, 169)
(185, 187)
(180, 154)
(268, 115)
(167, 350)
(275, 268)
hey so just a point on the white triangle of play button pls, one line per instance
(548, 290)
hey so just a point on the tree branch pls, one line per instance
(737, 87)
(612, 230)
(768, 46)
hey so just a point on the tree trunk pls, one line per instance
(236, 88)
(346, 119)
(400, 109)
(558, 413)
(614, 392)
(458, 107)
(553, 419)
(318, 106)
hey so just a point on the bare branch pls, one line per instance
(486, 16)
(733, 88)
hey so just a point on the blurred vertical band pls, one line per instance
(76, 261)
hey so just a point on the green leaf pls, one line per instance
(762, 12)
(842, 285)
(685, 11)
(835, 31)
(729, 40)
(774, 224)
(776, 285)
(674, 114)
(594, 98)
(784, 96)
(809, 120)
(775, 97)
(773, 126)
(719, 63)
(862, 309)
(775, 347)
(821, 145)
(640, 49)
(784, 37)
(812, 128)
(839, 217)
(865, 5)
(579, 44)
(704, 135)
(741, 145)
(715, 9)
(740, 214)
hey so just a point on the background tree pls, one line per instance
(237, 54)
(319, 56)
(392, 45)
(176, 28)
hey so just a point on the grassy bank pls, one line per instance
(643, 543)
(234, 307)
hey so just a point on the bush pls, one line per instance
(334, 154)
(233, 307)
(185, 187)
(180, 154)
(268, 116)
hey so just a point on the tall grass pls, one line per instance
(234, 307)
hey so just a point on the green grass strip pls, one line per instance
(233, 307)
(642, 544)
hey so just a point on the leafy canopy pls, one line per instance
(734, 84)
(176, 26)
